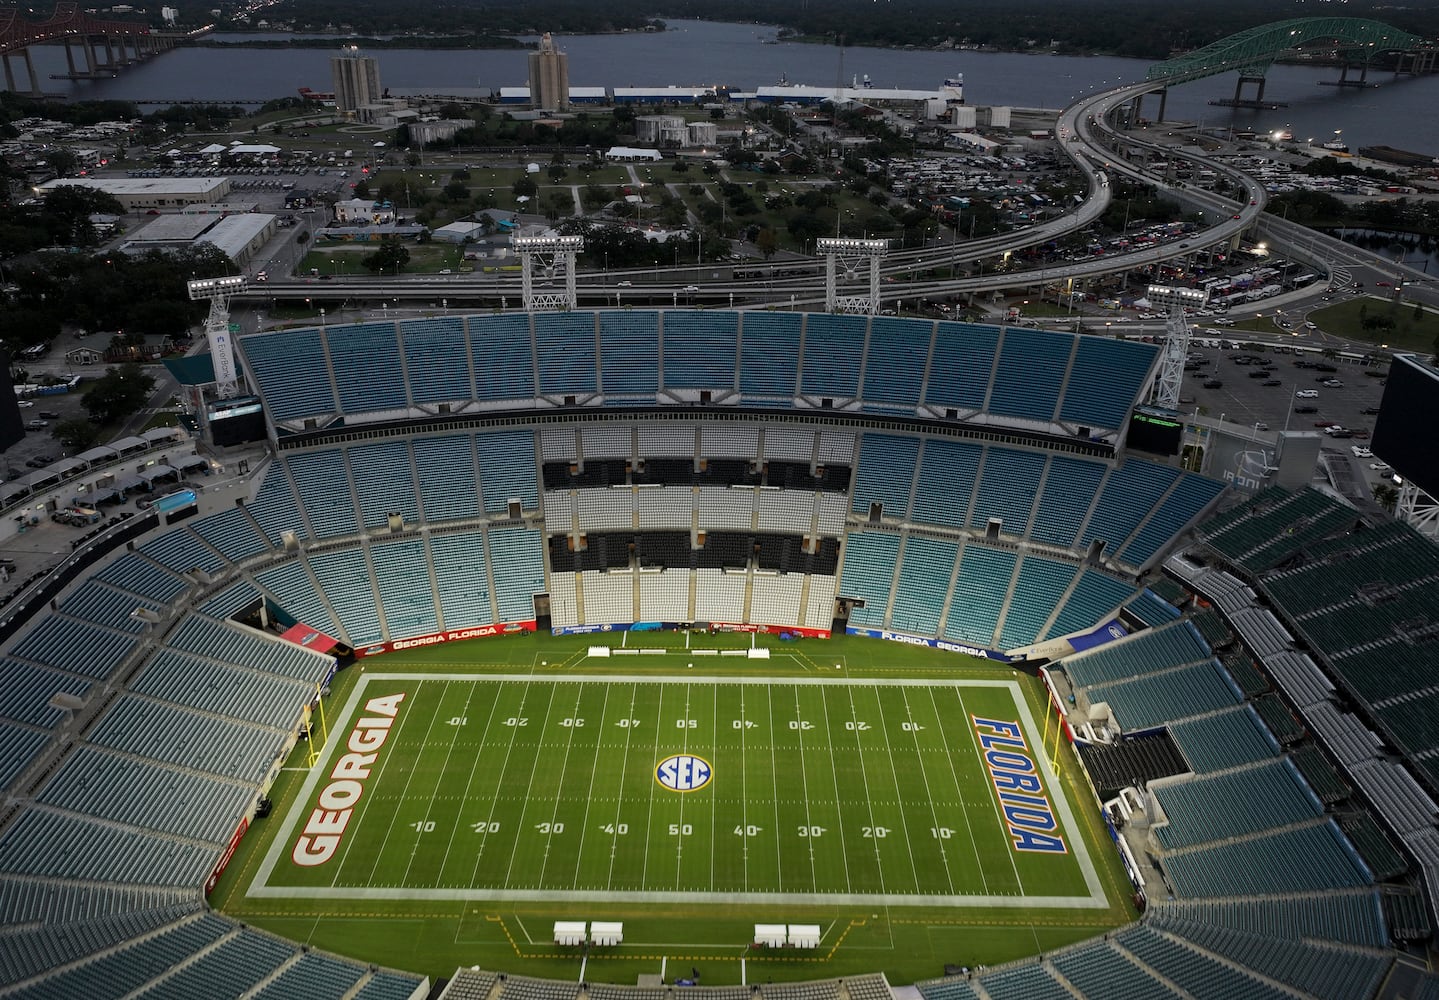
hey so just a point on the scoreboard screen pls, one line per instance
(236, 421)
(1156, 431)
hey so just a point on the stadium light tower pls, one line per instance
(554, 256)
(855, 256)
(217, 292)
(1170, 377)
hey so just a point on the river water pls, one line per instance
(1399, 112)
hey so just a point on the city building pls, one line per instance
(139, 194)
(356, 79)
(549, 77)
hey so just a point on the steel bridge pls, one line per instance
(1349, 41)
(104, 46)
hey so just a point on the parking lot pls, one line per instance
(1246, 398)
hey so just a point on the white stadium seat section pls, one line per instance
(665, 507)
(728, 440)
(819, 609)
(557, 444)
(721, 508)
(786, 510)
(564, 609)
(667, 440)
(606, 509)
(607, 441)
(836, 448)
(719, 596)
(559, 512)
(665, 597)
(774, 598)
(789, 444)
(609, 597)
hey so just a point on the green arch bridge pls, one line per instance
(1352, 41)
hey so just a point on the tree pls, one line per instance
(767, 242)
(75, 434)
(390, 258)
(525, 187)
(118, 393)
(557, 172)
(1386, 496)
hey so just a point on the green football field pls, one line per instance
(689, 797)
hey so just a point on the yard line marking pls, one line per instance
(774, 776)
(564, 770)
(839, 809)
(405, 792)
(620, 798)
(959, 788)
(439, 780)
(869, 802)
(469, 783)
(530, 785)
(500, 778)
(928, 793)
(998, 816)
(804, 790)
(898, 795)
(680, 840)
(714, 753)
(650, 814)
(743, 787)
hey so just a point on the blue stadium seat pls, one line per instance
(885, 474)
(1106, 380)
(769, 357)
(833, 347)
(1094, 598)
(963, 366)
(517, 556)
(700, 350)
(1007, 488)
(1130, 492)
(504, 357)
(384, 481)
(507, 469)
(367, 358)
(449, 488)
(436, 359)
(292, 373)
(869, 561)
(322, 478)
(1070, 489)
(629, 351)
(979, 593)
(1031, 373)
(923, 584)
(947, 477)
(894, 364)
(344, 577)
(567, 352)
(406, 598)
(460, 571)
(1037, 592)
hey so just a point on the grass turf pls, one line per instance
(852, 798)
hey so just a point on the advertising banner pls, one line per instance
(230, 849)
(456, 635)
(919, 640)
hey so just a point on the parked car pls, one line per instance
(1306, 409)
(1333, 383)
(1213, 383)
(1272, 381)
(1307, 394)
(1369, 411)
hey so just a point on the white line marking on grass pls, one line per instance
(650, 813)
(774, 775)
(959, 789)
(869, 801)
(743, 786)
(898, 795)
(589, 796)
(928, 794)
(714, 804)
(564, 770)
(680, 839)
(804, 790)
(439, 780)
(499, 780)
(404, 792)
(469, 783)
(839, 809)
(530, 784)
(620, 798)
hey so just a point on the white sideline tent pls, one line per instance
(771, 935)
(606, 933)
(570, 933)
(804, 935)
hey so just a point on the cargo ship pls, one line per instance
(317, 96)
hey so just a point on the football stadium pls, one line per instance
(609, 655)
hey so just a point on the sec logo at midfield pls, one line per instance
(683, 772)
